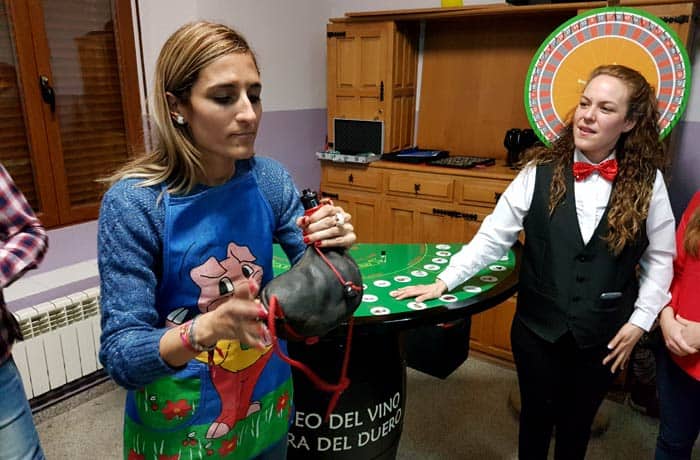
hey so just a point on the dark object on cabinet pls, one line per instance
(415, 155)
(516, 141)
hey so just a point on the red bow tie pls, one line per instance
(607, 169)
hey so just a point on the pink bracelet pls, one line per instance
(185, 336)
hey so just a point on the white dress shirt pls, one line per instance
(500, 230)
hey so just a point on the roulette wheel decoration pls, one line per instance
(610, 35)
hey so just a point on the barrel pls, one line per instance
(368, 419)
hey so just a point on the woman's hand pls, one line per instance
(421, 291)
(690, 332)
(329, 226)
(228, 319)
(672, 330)
(240, 317)
(621, 346)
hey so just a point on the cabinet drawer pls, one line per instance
(480, 190)
(365, 179)
(419, 185)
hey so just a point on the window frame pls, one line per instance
(26, 21)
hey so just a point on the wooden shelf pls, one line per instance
(491, 9)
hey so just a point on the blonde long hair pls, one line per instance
(639, 154)
(175, 159)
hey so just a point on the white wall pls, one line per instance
(158, 19)
(287, 36)
(340, 7)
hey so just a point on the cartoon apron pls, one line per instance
(214, 242)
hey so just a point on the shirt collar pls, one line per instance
(579, 156)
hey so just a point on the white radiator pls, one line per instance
(61, 341)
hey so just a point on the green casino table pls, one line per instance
(386, 267)
(368, 419)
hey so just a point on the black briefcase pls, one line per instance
(438, 350)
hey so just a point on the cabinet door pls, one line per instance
(358, 58)
(421, 221)
(361, 178)
(364, 209)
(491, 330)
(425, 186)
(400, 118)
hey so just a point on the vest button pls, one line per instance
(583, 258)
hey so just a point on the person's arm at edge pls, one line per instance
(671, 327)
(26, 240)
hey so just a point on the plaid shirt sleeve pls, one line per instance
(23, 239)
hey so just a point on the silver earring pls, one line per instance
(180, 120)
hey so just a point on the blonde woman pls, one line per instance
(185, 243)
(594, 206)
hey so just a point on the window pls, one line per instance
(69, 101)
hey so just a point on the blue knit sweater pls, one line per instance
(130, 244)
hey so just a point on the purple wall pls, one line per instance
(70, 245)
(685, 171)
(293, 137)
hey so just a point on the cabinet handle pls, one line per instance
(681, 19)
(335, 34)
(416, 188)
(350, 178)
(381, 91)
(330, 195)
(455, 214)
(497, 195)
(47, 92)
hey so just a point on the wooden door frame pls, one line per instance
(33, 105)
(130, 97)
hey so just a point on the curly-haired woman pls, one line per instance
(594, 207)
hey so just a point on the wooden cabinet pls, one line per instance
(372, 76)
(397, 203)
(490, 332)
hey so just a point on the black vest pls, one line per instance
(562, 279)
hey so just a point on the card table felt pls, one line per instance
(387, 267)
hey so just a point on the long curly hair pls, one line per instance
(691, 240)
(175, 159)
(639, 154)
